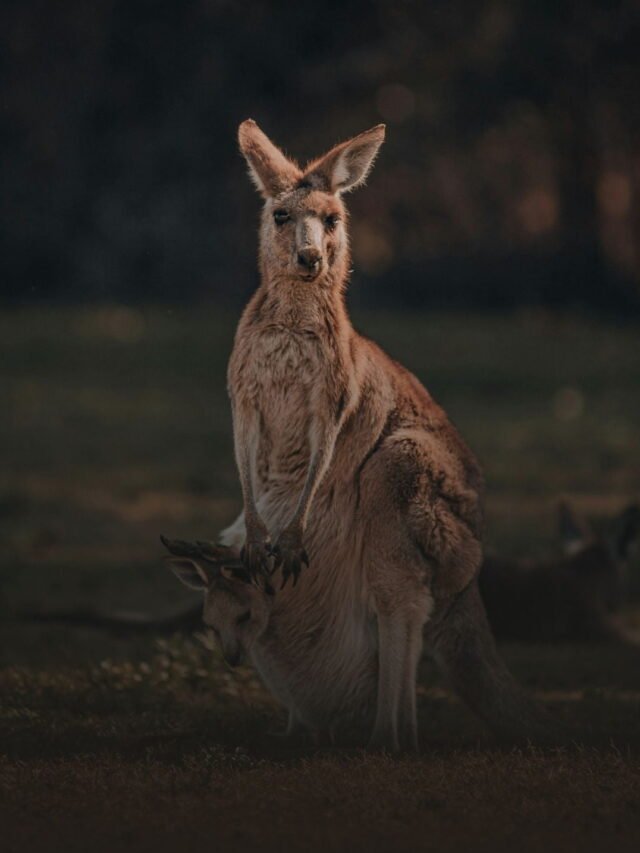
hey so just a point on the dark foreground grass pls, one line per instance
(229, 801)
(117, 429)
(178, 753)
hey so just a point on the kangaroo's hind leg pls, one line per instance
(399, 650)
(460, 640)
(392, 641)
(407, 712)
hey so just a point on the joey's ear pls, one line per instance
(190, 572)
(625, 532)
(347, 165)
(269, 169)
(574, 532)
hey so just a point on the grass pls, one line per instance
(117, 428)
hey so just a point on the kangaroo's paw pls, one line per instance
(256, 553)
(290, 554)
(256, 557)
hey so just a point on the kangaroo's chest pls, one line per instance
(278, 375)
(279, 362)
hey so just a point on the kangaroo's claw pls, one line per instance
(291, 560)
(256, 557)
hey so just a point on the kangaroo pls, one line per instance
(345, 461)
(347, 465)
(571, 597)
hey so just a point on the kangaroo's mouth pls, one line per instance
(310, 276)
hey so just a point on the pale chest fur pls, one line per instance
(280, 381)
(274, 361)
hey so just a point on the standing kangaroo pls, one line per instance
(347, 464)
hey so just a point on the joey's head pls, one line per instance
(236, 611)
(303, 236)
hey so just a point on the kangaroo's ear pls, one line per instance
(347, 165)
(625, 532)
(269, 169)
(574, 532)
(189, 572)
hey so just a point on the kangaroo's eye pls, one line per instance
(281, 216)
(331, 221)
(243, 617)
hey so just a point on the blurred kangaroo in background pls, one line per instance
(572, 597)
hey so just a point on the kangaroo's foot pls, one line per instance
(324, 737)
(290, 554)
(294, 727)
(399, 649)
(405, 741)
(408, 737)
(284, 734)
(384, 740)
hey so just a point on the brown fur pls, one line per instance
(348, 464)
(302, 673)
(575, 596)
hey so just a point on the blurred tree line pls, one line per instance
(511, 173)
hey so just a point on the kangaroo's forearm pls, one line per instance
(319, 464)
(244, 430)
(256, 550)
(309, 489)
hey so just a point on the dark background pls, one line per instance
(510, 175)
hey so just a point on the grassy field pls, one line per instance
(116, 428)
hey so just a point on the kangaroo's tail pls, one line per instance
(461, 642)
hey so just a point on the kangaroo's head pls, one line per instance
(602, 556)
(303, 236)
(236, 611)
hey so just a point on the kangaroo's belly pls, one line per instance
(326, 681)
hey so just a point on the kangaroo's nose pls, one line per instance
(309, 259)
